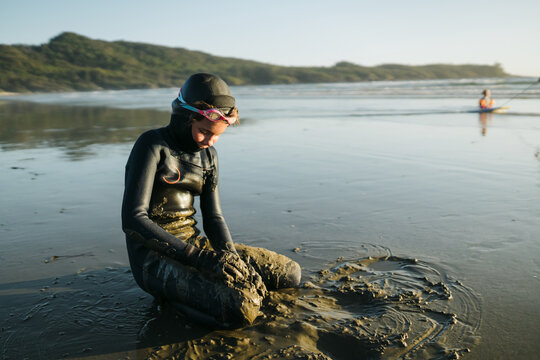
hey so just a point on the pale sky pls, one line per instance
(302, 32)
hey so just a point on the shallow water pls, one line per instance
(396, 171)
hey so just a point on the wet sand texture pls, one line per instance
(380, 307)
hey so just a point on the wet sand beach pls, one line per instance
(415, 223)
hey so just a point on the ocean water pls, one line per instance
(403, 172)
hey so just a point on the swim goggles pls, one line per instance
(211, 114)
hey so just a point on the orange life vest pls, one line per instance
(486, 103)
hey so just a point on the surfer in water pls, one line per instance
(208, 278)
(486, 102)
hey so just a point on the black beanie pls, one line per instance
(208, 88)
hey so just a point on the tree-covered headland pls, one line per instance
(73, 62)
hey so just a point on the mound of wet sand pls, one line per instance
(385, 307)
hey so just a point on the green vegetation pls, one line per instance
(73, 62)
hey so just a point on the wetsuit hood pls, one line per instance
(208, 88)
(180, 129)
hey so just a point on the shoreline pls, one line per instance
(53, 91)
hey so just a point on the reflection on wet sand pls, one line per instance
(379, 306)
(485, 119)
(72, 129)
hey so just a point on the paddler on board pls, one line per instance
(486, 102)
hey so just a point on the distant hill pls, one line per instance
(74, 62)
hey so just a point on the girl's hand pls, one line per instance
(224, 264)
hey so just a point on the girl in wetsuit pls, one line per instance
(206, 277)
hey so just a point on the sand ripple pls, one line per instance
(382, 307)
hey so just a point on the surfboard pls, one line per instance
(495, 110)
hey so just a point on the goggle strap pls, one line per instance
(229, 120)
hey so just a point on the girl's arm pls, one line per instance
(214, 224)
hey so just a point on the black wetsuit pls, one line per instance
(164, 172)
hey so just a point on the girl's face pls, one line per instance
(206, 133)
